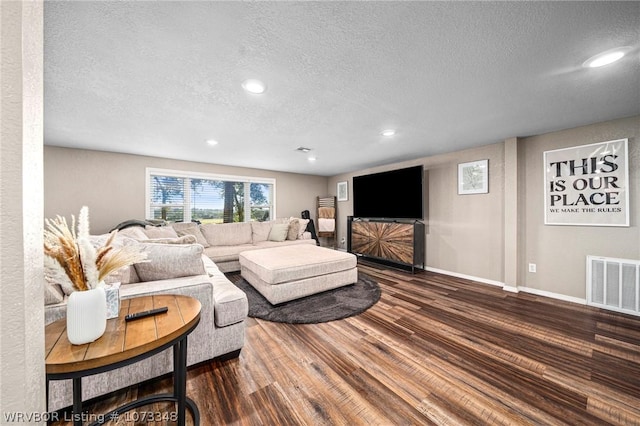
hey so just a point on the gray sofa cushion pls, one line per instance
(227, 234)
(191, 229)
(231, 305)
(260, 231)
(226, 253)
(160, 232)
(135, 232)
(166, 261)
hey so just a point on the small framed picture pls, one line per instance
(473, 177)
(343, 191)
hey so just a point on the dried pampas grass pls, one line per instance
(116, 259)
(73, 262)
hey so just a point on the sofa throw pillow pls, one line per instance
(179, 226)
(260, 231)
(294, 228)
(126, 274)
(279, 232)
(135, 232)
(52, 292)
(160, 232)
(166, 261)
(195, 231)
(303, 226)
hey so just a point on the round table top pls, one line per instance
(122, 340)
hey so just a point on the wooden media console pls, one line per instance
(397, 241)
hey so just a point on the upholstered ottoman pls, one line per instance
(286, 273)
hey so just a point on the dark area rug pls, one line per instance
(327, 306)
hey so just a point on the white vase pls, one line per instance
(86, 315)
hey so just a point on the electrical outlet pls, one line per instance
(342, 241)
(532, 267)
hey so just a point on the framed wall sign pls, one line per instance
(343, 191)
(587, 185)
(473, 177)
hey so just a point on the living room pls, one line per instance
(491, 238)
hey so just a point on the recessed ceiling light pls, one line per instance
(254, 86)
(388, 132)
(311, 159)
(606, 58)
(212, 142)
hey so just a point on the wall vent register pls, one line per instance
(614, 284)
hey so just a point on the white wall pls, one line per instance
(22, 374)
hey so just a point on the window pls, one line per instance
(186, 196)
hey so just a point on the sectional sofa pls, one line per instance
(183, 259)
(223, 243)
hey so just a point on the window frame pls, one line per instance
(152, 171)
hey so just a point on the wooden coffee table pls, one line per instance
(126, 342)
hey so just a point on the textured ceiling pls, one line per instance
(159, 78)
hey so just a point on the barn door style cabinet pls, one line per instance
(397, 241)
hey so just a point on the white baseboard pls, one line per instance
(466, 277)
(511, 289)
(558, 296)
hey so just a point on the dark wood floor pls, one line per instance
(434, 350)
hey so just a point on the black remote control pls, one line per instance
(143, 314)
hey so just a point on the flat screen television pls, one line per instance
(396, 194)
